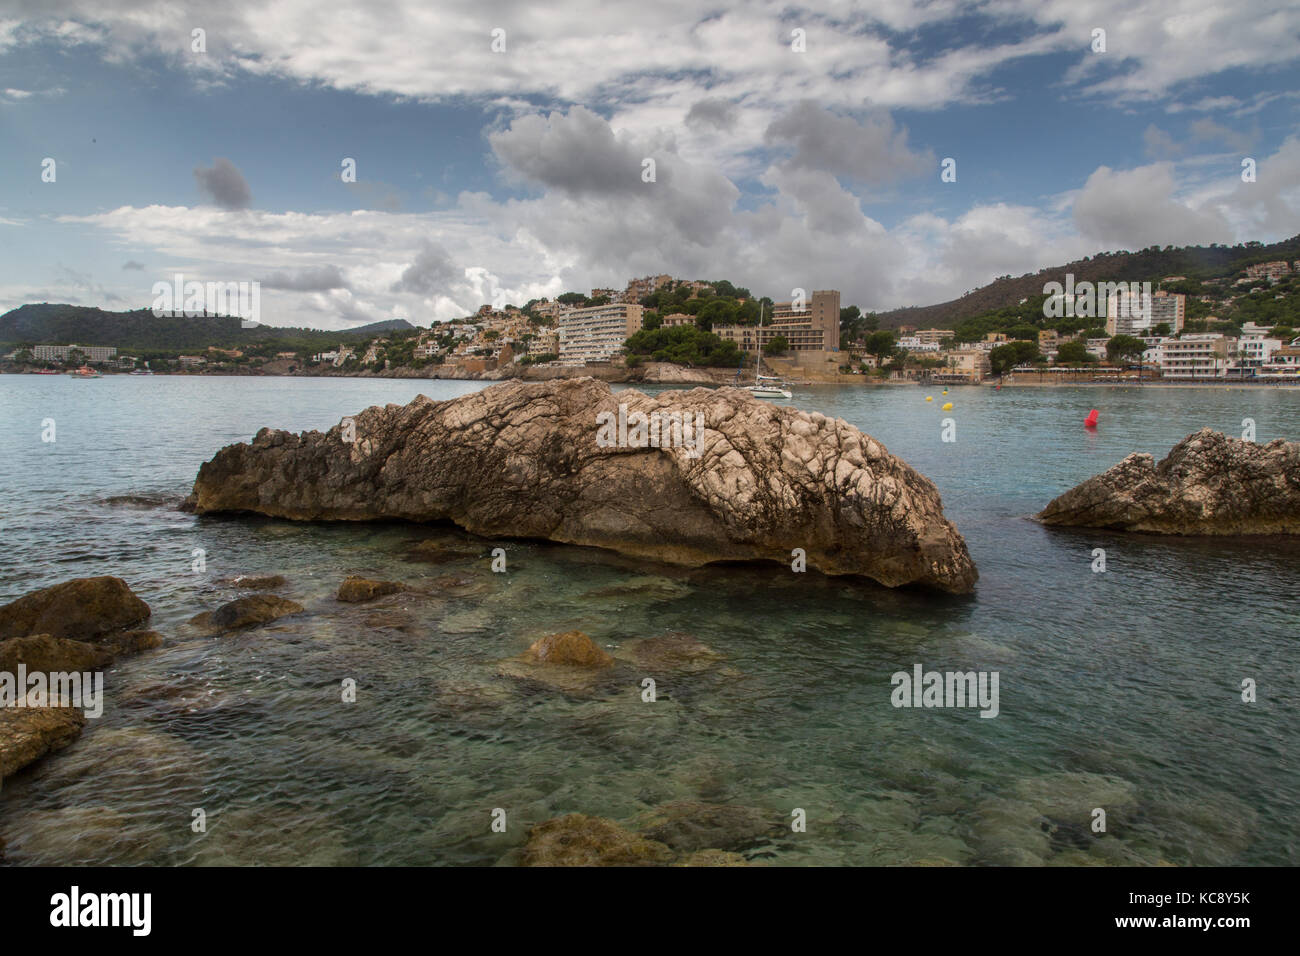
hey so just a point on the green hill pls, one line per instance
(141, 330)
(1152, 264)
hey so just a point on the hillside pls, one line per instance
(141, 330)
(1194, 262)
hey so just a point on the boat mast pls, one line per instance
(758, 345)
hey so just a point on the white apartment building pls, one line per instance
(1126, 313)
(1255, 350)
(1283, 365)
(1204, 355)
(914, 343)
(597, 333)
(95, 354)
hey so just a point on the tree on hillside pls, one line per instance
(1004, 358)
(1074, 353)
(776, 345)
(1121, 347)
(881, 344)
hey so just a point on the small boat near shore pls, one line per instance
(86, 372)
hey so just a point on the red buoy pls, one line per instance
(1091, 420)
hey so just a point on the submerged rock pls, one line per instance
(675, 653)
(534, 460)
(132, 642)
(572, 648)
(690, 827)
(569, 662)
(1207, 484)
(249, 612)
(82, 609)
(355, 589)
(1073, 795)
(580, 840)
(29, 733)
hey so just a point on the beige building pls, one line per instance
(933, 336)
(638, 289)
(815, 328)
(966, 365)
(544, 342)
(1268, 270)
(597, 333)
(1203, 355)
(676, 318)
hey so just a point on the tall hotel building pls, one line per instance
(816, 328)
(1124, 313)
(597, 333)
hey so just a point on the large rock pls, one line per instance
(28, 733)
(572, 648)
(83, 609)
(522, 460)
(355, 590)
(1207, 484)
(251, 611)
(43, 653)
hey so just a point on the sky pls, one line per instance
(505, 152)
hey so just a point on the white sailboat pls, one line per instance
(765, 386)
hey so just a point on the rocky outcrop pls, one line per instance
(74, 627)
(534, 460)
(354, 590)
(83, 609)
(1207, 484)
(29, 733)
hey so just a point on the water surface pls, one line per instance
(1119, 689)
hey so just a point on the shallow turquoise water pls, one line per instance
(1119, 689)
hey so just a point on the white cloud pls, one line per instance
(1136, 208)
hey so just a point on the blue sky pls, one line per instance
(518, 173)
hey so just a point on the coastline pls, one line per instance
(665, 373)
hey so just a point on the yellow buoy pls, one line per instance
(929, 398)
(947, 406)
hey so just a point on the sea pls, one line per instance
(1147, 686)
